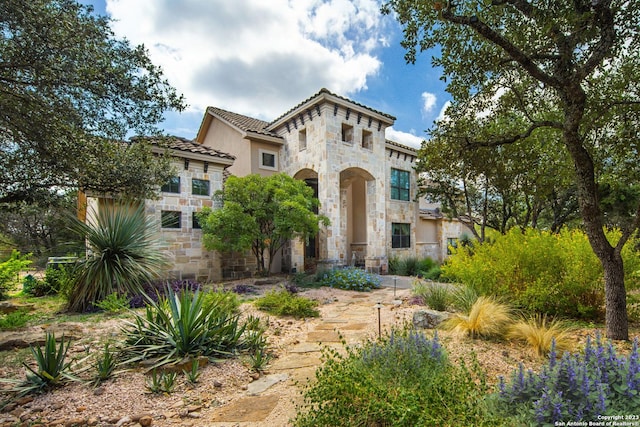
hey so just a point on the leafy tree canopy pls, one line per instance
(261, 214)
(566, 68)
(68, 90)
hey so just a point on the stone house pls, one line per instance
(365, 183)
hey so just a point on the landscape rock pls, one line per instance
(429, 319)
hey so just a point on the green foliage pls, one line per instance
(14, 320)
(193, 374)
(463, 297)
(487, 318)
(59, 279)
(579, 387)
(261, 214)
(105, 364)
(10, 269)
(412, 266)
(165, 382)
(349, 279)
(124, 253)
(226, 301)
(405, 379)
(542, 272)
(114, 303)
(284, 303)
(182, 325)
(436, 295)
(32, 285)
(61, 63)
(259, 359)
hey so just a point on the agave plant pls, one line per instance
(182, 325)
(122, 254)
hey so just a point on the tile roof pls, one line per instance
(328, 92)
(244, 123)
(183, 144)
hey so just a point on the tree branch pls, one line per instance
(469, 144)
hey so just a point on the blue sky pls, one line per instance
(260, 58)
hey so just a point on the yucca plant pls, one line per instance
(487, 318)
(182, 325)
(105, 364)
(122, 254)
(540, 333)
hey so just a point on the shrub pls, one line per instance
(114, 303)
(157, 289)
(14, 320)
(541, 334)
(123, 254)
(10, 269)
(487, 318)
(542, 272)
(404, 379)
(182, 325)
(350, 279)
(435, 295)
(58, 279)
(284, 303)
(414, 266)
(578, 387)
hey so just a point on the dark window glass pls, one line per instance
(400, 184)
(269, 160)
(200, 187)
(400, 235)
(171, 219)
(194, 221)
(173, 186)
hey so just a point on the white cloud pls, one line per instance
(428, 102)
(254, 57)
(443, 112)
(405, 138)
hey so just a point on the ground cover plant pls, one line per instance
(281, 302)
(403, 379)
(349, 279)
(578, 387)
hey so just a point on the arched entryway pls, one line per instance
(311, 247)
(354, 188)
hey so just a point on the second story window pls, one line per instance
(195, 223)
(302, 139)
(172, 186)
(400, 184)
(367, 139)
(347, 133)
(200, 187)
(268, 160)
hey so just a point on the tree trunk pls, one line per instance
(615, 298)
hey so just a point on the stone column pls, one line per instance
(329, 237)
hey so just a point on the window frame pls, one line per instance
(193, 186)
(166, 225)
(261, 153)
(400, 191)
(400, 241)
(168, 187)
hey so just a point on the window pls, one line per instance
(367, 139)
(171, 219)
(399, 184)
(194, 221)
(172, 186)
(302, 139)
(268, 160)
(347, 133)
(400, 235)
(200, 187)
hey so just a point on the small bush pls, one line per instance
(10, 269)
(350, 279)
(578, 387)
(414, 266)
(487, 318)
(114, 303)
(404, 379)
(57, 280)
(541, 334)
(435, 295)
(14, 320)
(284, 303)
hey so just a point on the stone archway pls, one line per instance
(355, 211)
(306, 253)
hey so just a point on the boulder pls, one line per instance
(429, 319)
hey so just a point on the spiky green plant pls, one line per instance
(182, 325)
(540, 333)
(105, 364)
(463, 297)
(122, 254)
(487, 318)
(436, 295)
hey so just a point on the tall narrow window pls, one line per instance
(171, 219)
(200, 187)
(367, 139)
(400, 184)
(400, 235)
(302, 139)
(347, 133)
(172, 186)
(195, 224)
